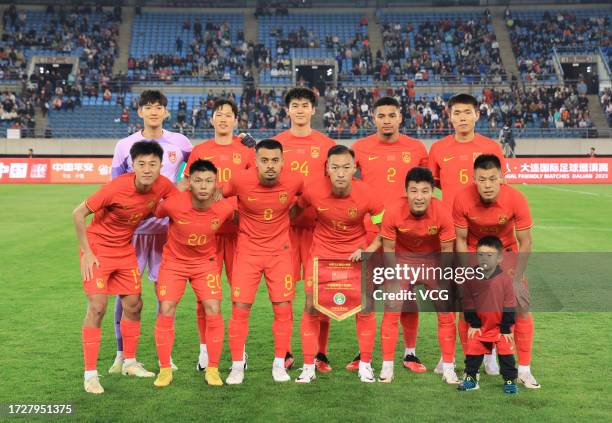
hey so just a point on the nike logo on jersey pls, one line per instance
(403, 230)
(209, 157)
(372, 158)
(214, 292)
(321, 209)
(446, 159)
(182, 222)
(251, 198)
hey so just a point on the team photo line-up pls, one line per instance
(270, 208)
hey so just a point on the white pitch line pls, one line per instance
(575, 191)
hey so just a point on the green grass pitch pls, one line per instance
(43, 307)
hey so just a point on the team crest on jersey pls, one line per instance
(237, 158)
(432, 229)
(151, 204)
(162, 291)
(172, 156)
(502, 220)
(352, 212)
(406, 157)
(214, 223)
(476, 154)
(100, 283)
(236, 292)
(315, 152)
(282, 197)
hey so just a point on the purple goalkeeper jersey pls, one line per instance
(176, 151)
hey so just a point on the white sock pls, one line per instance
(387, 363)
(524, 369)
(203, 349)
(410, 351)
(363, 364)
(129, 361)
(448, 366)
(279, 362)
(489, 357)
(309, 366)
(119, 355)
(90, 373)
(238, 364)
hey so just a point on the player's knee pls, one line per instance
(167, 308)
(446, 318)
(96, 311)
(132, 307)
(212, 308)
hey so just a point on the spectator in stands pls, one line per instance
(125, 116)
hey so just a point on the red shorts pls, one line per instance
(478, 347)
(277, 269)
(301, 241)
(205, 281)
(114, 276)
(226, 248)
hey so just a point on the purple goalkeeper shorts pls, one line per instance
(149, 252)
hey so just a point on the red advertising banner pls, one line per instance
(337, 287)
(54, 171)
(559, 170)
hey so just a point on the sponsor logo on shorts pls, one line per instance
(339, 298)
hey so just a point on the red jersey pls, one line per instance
(340, 228)
(488, 298)
(119, 207)
(306, 156)
(452, 163)
(417, 234)
(191, 234)
(509, 212)
(384, 165)
(229, 160)
(264, 211)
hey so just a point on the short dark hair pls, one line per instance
(462, 99)
(336, 150)
(220, 102)
(386, 101)
(299, 93)
(144, 148)
(487, 161)
(152, 97)
(419, 174)
(202, 166)
(269, 144)
(491, 241)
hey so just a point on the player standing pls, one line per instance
(341, 204)
(265, 196)
(418, 224)
(305, 152)
(230, 157)
(384, 159)
(490, 207)
(150, 236)
(108, 260)
(191, 254)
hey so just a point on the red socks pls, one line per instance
(389, 334)
(447, 336)
(164, 339)
(215, 331)
(237, 330)
(324, 324)
(366, 334)
(523, 338)
(282, 327)
(201, 320)
(410, 325)
(91, 346)
(130, 332)
(309, 329)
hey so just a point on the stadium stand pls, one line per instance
(606, 103)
